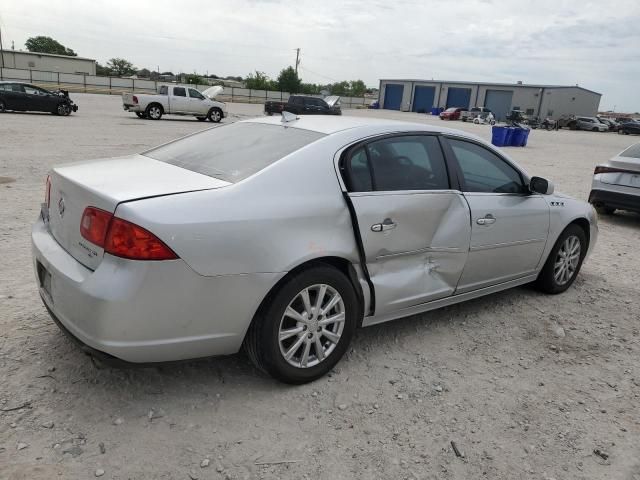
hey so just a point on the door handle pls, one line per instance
(387, 224)
(488, 219)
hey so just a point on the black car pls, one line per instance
(629, 127)
(305, 105)
(24, 97)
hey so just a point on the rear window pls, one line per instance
(236, 151)
(633, 151)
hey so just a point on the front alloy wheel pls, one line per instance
(567, 260)
(564, 261)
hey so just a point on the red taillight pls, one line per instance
(135, 99)
(47, 191)
(604, 169)
(94, 225)
(128, 240)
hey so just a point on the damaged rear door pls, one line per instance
(414, 227)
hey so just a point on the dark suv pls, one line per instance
(305, 105)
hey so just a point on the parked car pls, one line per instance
(590, 123)
(451, 113)
(627, 128)
(24, 97)
(472, 113)
(176, 100)
(612, 125)
(305, 105)
(283, 237)
(616, 184)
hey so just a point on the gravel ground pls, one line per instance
(526, 385)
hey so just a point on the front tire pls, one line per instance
(215, 115)
(305, 327)
(3, 106)
(564, 261)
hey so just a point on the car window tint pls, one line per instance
(633, 151)
(412, 162)
(193, 93)
(359, 172)
(297, 100)
(179, 92)
(164, 90)
(484, 171)
(32, 90)
(236, 151)
(17, 88)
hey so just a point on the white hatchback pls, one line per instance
(616, 184)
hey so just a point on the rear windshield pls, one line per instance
(633, 151)
(234, 152)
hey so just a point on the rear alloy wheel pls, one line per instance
(154, 112)
(306, 327)
(215, 115)
(564, 261)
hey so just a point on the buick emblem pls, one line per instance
(61, 207)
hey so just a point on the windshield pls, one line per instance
(236, 151)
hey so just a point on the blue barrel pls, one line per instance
(435, 111)
(509, 137)
(499, 135)
(518, 138)
(526, 137)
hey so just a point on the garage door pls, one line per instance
(423, 99)
(393, 96)
(458, 97)
(499, 102)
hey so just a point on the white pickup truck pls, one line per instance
(176, 100)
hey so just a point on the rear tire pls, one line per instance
(594, 129)
(564, 261)
(304, 344)
(3, 106)
(154, 111)
(215, 115)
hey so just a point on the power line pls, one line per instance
(319, 74)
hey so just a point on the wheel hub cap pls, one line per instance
(311, 326)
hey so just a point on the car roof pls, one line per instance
(329, 124)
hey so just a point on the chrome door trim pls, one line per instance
(443, 302)
(402, 192)
(507, 244)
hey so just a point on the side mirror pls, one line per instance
(541, 185)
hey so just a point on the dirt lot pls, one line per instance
(526, 385)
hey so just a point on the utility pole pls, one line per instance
(297, 59)
(1, 51)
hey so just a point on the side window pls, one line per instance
(164, 90)
(193, 93)
(411, 162)
(30, 90)
(179, 92)
(484, 171)
(296, 100)
(17, 88)
(359, 177)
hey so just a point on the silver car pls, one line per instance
(283, 237)
(616, 184)
(592, 124)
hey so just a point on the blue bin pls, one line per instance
(509, 137)
(518, 138)
(435, 111)
(526, 137)
(499, 136)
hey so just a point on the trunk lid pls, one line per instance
(624, 161)
(104, 184)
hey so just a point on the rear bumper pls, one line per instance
(620, 200)
(145, 312)
(132, 108)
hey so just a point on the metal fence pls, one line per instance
(83, 83)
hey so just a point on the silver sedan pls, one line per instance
(283, 236)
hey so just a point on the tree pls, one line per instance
(194, 78)
(288, 81)
(357, 88)
(120, 67)
(102, 70)
(258, 81)
(43, 44)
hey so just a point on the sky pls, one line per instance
(595, 44)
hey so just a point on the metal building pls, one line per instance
(534, 100)
(46, 62)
